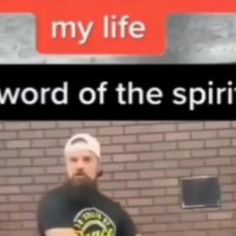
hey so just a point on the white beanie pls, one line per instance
(82, 142)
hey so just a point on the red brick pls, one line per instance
(152, 192)
(150, 174)
(31, 152)
(177, 136)
(10, 225)
(21, 198)
(164, 146)
(125, 157)
(205, 171)
(164, 164)
(218, 143)
(139, 201)
(18, 162)
(9, 189)
(190, 126)
(125, 175)
(133, 210)
(8, 153)
(204, 134)
(31, 134)
(192, 163)
(151, 156)
(217, 124)
(91, 131)
(124, 139)
(218, 161)
(29, 224)
(165, 182)
(42, 125)
(32, 170)
(167, 218)
(45, 161)
(190, 144)
(126, 193)
(10, 172)
(150, 138)
(113, 167)
(227, 151)
(57, 133)
(152, 210)
(9, 207)
(46, 179)
(69, 124)
(220, 232)
(112, 185)
(3, 199)
(193, 216)
(16, 125)
(139, 184)
(179, 226)
(44, 143)
(137, 147)
(174, 209)
(172, 191)
(143, 219)
(228, 170)
(106, 176)
(18, 144)
(150, 128)
(54, 152)
(231, 133)
(153, 228)
(56, 170)
(22, 216)
(204, 153)
(5, 135)
(178, 154)
(4, 217)
(178, 173)
(112, 149)
(33, 189)
(20, 180)
(110, 130)
(138, 166)
(166, 200)
(206, 225)
(220, 215)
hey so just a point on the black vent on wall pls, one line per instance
(200, 192)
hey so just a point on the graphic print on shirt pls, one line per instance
(93, 222)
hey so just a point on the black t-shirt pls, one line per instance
(91, 214)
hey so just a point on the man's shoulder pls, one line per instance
(113, 204)
(53, 197)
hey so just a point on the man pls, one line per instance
(77, 208)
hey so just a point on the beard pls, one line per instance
(81, 188)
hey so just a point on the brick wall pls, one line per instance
(143, 164)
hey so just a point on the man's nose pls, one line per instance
(79, 165)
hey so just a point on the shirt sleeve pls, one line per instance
(127, 226)
(51, 214)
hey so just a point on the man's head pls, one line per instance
(82, 156)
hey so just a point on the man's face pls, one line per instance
(82, 167)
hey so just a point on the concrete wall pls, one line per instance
(192, 39)
(143, 164)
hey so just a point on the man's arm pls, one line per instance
(60, 232)
(127, 227)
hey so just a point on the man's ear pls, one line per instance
(100, 173)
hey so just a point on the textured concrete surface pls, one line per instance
(192, 39)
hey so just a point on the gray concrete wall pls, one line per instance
(192, 39)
